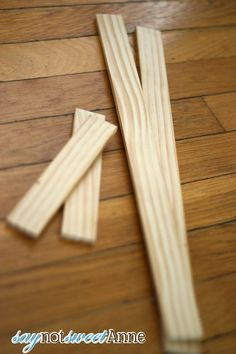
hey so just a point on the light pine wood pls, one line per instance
(80, 215)
(156, 95)
(180, 317)
(41, 202)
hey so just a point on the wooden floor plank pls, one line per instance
(94, 275)
(199, 158)
(206, 202)
(70, 56)
(62, 22)
(16, 4)
(139, 315)
(224, 106)
(90, 91)
(45, 137)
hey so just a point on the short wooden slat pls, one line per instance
(80, 215)
(49, 192)
(180, 319)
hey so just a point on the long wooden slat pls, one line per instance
(156, 95)
(224, 107)
(49, 192)
(180, 320)
(80, 215)
(62, 22)
(72, 56)
(59, 95)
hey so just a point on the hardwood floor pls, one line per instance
(51, 62)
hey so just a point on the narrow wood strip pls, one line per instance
(48, 193)
(156, 95)
(80, 216)
(167, 265)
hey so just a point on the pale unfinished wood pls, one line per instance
(49, 192)
(156, 95)
(176, 301)
(80, 216)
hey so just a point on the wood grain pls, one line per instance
(60, 95)
(72, 56)
(14, 182)
(62, 22)
(114, 267)
(15, 4)
(45, 137)
(46, 276)
(48, 193)
(156, 96)
(155, 213)
(223, 106)
(80, 214)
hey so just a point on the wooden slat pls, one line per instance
(80, 214)
(224, 107)
(95, 275)
(180, 320)
(62, 22)
(91, 91)
(70, 56)
(156, 95)
(48, 193)
(45, 137)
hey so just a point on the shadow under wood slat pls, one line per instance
(62, 22)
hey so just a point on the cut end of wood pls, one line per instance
(78, 238)
(32, 233)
